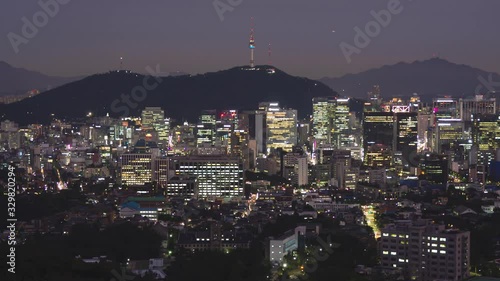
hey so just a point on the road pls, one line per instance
(369, 213)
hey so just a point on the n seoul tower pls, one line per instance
(252, 44)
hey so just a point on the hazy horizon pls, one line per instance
(89, 37)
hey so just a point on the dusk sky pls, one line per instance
(90, 36)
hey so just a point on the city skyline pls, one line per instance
(233, 140)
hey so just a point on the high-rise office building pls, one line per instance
(225, 126)
(183, 186)
(424, 127)
(143, 165)
(153, 118)
(378, 156)
(446, 108)
(435, 168)
(378, 128)
(486, 131)
(260, 131)
(136, 169)
(331, 122)
(281, 127)
(205, 129)
(323, 115)
(446, 132)
(425, 251)
(341, 131)
(476, 105)
(295, 168)
(184, 137)
(217, 176)
(406, 135)
(303, 130)
(486, 137)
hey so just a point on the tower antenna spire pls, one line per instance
(252, 43)
(121, 63)
(270, 51)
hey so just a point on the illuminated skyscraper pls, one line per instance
(331, 119)
(323, 112)
(486, 136)
(341, 130)
(143, 165)
(205, 129)
(303, 130)
(295, 168)
(486, 131)
(378, 128)
(281, 125)
(406, 135)
(226, 124)
(447, 131)
(476, 105)
(435, 168)
(446, 108)
(425, 123)
(153, 118)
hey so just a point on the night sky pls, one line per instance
(90, 36)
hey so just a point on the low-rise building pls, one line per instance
(425, 251)
(285, 244)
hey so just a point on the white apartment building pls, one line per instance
(426, 251)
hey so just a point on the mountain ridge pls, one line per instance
(428, 78)
(182, 97)
(17, 81)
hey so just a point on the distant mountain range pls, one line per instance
(14, 81)
(428, 78)
(182, 97)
